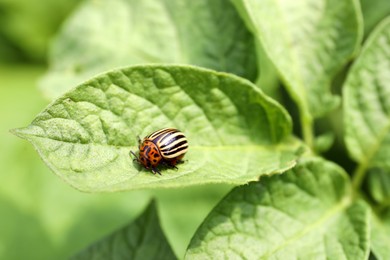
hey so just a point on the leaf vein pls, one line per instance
(208, 119)
(309, 228)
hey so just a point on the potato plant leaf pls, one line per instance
(128, 32)
(324, 142)
(367, 101)
(373, 13)
(141, 239)
(235, 132)
(380, 234)
(305, 213)
(308, 41)
(378, 185)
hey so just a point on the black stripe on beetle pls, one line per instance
(174, 146)
(175, 152)
(165, 146)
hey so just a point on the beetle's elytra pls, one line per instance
(166, 146)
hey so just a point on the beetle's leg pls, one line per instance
(171, 164)
(136, 159)
(139, 142)
(132, 153)
(177, 160)
(155, 170)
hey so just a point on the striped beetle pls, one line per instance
(166, 146)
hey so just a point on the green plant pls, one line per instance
(295, 203)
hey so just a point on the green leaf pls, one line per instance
(12, 244)
(367, 102)
(378, 184)
(306, 213)
(324, 142)
(141, 239)
(373, 13)
(105, 34)
(268, 80)
(31, 24)
(380, 234)
(235, 132)
(309, 42)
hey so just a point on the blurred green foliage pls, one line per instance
(26, 27)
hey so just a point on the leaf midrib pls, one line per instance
(365, 161)
(261, 147)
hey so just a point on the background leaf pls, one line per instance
(324, 142)
(380, 235)
(267, 79)
(367, 101)
(142, 239)
(308, 41)
(205, 33)
(378, 185)
(29, 25)
(373, 13)
(85, 136)
(19, 187)
(305, 213)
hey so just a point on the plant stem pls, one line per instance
(307, 129)
(358, 176)
(360, 172)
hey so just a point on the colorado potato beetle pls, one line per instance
(166, 146)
